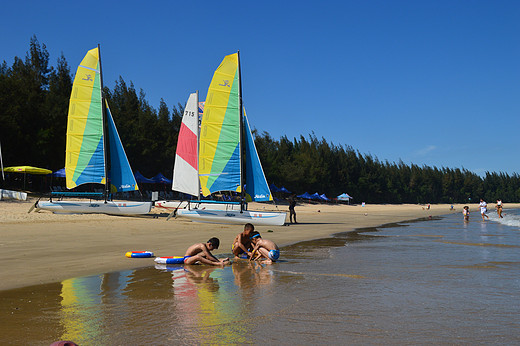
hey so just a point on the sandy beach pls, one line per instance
(41, 247)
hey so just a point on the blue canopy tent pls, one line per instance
(142, 179)
(323, 197)
(274, 188)
(344, 197)
(60, 173)
(283, 189)
(161, 179)
(305, 195)
(315, 196)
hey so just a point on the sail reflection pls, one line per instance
(195, 304)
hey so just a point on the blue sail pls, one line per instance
(256, 183)
(121, 176)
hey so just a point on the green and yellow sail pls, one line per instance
(219, 143)
(86, 147)
(85, 152)
(220, 167)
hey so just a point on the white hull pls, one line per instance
(96, 207)
(234, 217)
(172, 205)
(13, 194)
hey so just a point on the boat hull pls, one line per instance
(234, 217)
(172, 205)
(96, 207)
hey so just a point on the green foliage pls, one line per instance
(312, 165)
(34, 102)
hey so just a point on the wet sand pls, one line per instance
(38, 248)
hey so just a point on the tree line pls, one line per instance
(34, 98)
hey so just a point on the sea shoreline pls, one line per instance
(39, 248)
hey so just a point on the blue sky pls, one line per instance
(427, 82)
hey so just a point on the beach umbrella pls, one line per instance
(27, 170)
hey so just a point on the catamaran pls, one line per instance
(186, 167)
(91, 133)
(227, 156)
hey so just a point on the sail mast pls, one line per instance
(2, 162)
(242, 158)
(105, 139)
(198, 140)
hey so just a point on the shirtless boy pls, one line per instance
(242, 242)
(265, 249)
(201, 253)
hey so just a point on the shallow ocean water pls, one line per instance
(438, 281)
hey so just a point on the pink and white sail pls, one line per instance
(186, 171)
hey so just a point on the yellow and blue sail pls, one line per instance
(85, 148)
(219, 141)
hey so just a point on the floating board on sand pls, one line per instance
(170, 260)
(139, 254)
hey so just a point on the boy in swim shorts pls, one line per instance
(201, 253)
(242, 242)
(264, 249)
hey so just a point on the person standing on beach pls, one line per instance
(483, 209)
(499, 208)
(201, 253)
(242, 242)
(292, 213)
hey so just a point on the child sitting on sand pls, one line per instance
(242, 242)
(265, 249)
(201, 253)
(465, 212)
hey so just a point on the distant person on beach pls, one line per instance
(264, 248)
(499, 208)
(483, 209)
(465, 212)
(201, 253)
(292, 213)
(242, 242)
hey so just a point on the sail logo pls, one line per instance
(226, 83)
(260, 196)
(88, 78)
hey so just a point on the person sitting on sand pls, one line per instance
(483, 209)
(201, 253)
(264, 248)
(465, 212)
(242, 242)
(499, 208)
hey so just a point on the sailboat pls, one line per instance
(227, 159)
(186, 167)
(94, 152)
